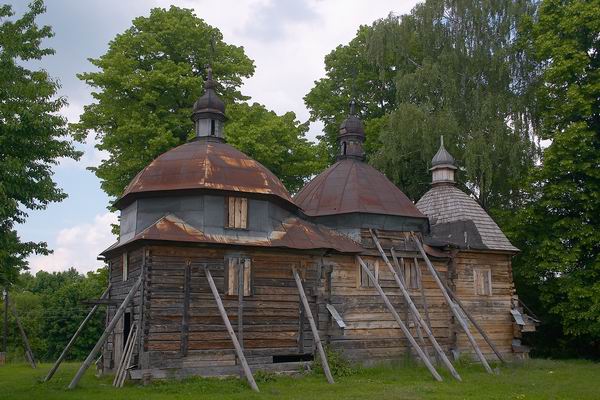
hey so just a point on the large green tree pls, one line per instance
(50, 308)
(350, 72)
(278, 141)
(147, 83)
(452, 68)
(33, 136)
(559, 231)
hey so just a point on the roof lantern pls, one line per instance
(351, 136)
(443, 166)
(208, 113)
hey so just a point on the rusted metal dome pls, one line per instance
(202, 165)
(352, 186)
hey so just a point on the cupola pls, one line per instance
(442, 166)
(351, 135)
(208, 113)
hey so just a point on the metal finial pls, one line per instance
(352, 107)
(441, 140)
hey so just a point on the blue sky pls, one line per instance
(288, 40)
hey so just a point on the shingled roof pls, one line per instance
(457, 219)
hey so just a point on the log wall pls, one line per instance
(491, 312)
(182, 334)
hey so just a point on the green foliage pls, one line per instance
(264, 376)
(457, 69)
(559, 229)
(533, 379)
(33, 137)
(147, 83)
(279, 142)
(50, 308)
(338, 364)
(350, 72)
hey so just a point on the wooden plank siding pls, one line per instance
(491, 312)
(273, 324)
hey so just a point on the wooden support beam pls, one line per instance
(418, 319)
(313, 326)
(236, 344)
(74, 337)
(452, 305)
(403, 327)
(28, 352)
(400, 267)
(423, 298)
(121, 366)
(126, 357)
(111, 326)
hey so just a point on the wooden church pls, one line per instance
(219, 270)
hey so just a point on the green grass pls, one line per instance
(534, 379)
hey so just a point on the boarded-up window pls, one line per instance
(235, 267)
(364, 277)
(125, 265)
(237, 212)
(482, 279)
(410, 274)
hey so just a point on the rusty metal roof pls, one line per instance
(205, 164)
(294, 233)
(350, 186)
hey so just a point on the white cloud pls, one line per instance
(78, 246)
(288, 63)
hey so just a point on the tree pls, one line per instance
(351, 73)
(33, 137)
(560, 228)
(453, 68)
(146, 86)
(279, 142)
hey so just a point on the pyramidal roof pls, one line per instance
(456, 218)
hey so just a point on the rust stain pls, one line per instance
(295, 234)
(350, 186)
(204, 165)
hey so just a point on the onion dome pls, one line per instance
(351, 135)
(351, 185)
(443, 165)
(208, 113)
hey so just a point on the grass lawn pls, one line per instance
(534, 379)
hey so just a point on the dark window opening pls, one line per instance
(126, 327)
(344, 148)
(292, 358)
(212, 127)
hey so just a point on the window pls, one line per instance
(125, 266)
(411, 275)
(482, 280)
(237, 212)
(212, 127)
(364, 278)
(232, 276)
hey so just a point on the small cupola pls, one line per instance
(351, 136)
(442, 166)
(209, 111)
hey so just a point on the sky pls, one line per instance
(287, 39)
